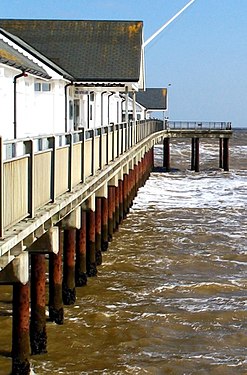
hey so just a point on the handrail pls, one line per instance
(196, 125)
(37, 170)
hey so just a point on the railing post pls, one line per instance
(82, 155)
(118, 148)
(100, 147)
(29, 150)
(1, 189)
(93, 148)
(122, 139)
(70, 161)
(107, 145)
(52, 145)
(113, 142)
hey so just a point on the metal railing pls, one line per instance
(197, 125)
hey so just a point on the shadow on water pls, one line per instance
(158, 169)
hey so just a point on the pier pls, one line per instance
(196, 131)
(62, 198)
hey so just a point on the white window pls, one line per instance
(42, 86)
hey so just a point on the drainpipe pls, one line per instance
(122, 100)
(22, 74)
(109, 107)
(126, 104)
(102, 109)
(66, 104)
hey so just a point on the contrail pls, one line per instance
(167, 23)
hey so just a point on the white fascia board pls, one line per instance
(50, 72)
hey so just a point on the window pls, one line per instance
(42, 86)
(71, 112)
(91, 96)
(91, 112)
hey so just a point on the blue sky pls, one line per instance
(202, 54)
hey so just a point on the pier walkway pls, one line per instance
(61, 199)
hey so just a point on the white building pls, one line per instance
(74, 74)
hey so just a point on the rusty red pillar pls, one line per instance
(98, 224)
(80, 263)
(104, 224)
(136, 178)
(132, 187)
(125, 195)
(111, 211)
(69, 292)
(20, 329)
(151, 159)
(226, 154)
(142, 171)
(91, 256)
(38, 336)
(116, 207)
(139, 174)
(56, 311)
(120, 191)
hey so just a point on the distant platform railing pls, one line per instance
(198, 125)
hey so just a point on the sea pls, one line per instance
(170, 296)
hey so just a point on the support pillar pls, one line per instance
(166, 154)
(56, 311)
(80, 264)
(38, 336)
(98, 215)
(104, 224)
(111, 211)
(221, 153)
(226, 154)
(116, 207)
(120, 192)
(197, 154)
(192, 154)
(125, 196)
(91, 256)
(20, 329)
(69, 292)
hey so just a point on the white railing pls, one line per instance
(36, 171)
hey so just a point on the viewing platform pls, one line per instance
(195, 131)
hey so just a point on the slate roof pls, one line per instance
(101, 51)
(34, 53)
(153, 99)
(11, 57)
